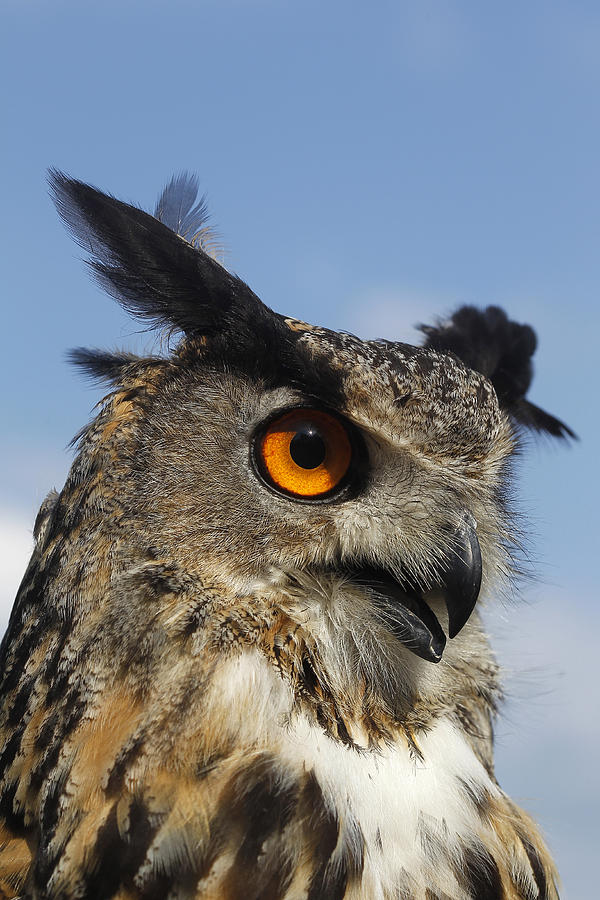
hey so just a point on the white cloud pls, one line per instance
(546, 647)
(16, 544)
(394, 313)
(548, 734)
(27, 472)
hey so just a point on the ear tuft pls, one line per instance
(102, 365)
(502, 350)
(146, 266)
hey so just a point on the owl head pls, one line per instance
(362, 486)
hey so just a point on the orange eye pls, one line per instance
(305, 453)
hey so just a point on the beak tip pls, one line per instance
(463, 576)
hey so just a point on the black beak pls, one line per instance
(410, 618)
(462, 578)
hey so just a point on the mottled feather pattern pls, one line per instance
(502, 351)
(199, 700)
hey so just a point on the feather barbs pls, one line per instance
(180, 210)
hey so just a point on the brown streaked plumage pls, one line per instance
(216, 686)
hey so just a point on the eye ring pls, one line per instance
(307, 454)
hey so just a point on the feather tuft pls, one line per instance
(147, 267)
(502, 350)
(101, 365)
(179, 209)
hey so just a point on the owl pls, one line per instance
(246, 660)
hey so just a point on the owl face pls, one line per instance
(270, 453)
(375, 465)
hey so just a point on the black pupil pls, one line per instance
(307, 447)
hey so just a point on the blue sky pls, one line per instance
(369, 166)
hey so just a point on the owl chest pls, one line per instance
(404, 819)
(388, 821)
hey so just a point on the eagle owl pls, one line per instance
(245, 661)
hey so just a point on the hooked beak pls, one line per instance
(410, 618)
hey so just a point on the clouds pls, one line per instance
(549, 730)
(395, 312)
(16, 544)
